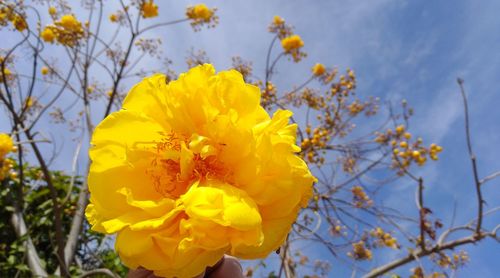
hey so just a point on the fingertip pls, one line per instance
(140, 273)
(229, 267)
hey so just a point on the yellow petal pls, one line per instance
(229, 91)
(275, 232)
(148, 98)
(119, 136)
(131, 243)
(187, 102)
(223, 204)
(137, 248)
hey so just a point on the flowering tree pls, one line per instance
(69, 67)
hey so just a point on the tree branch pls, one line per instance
(379, 271)
(21, 230)
(473, 160)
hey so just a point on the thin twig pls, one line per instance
(473, 160)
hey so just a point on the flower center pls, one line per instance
(176, 167)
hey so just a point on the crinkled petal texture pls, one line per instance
(192, 170)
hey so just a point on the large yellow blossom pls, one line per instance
(194, 169)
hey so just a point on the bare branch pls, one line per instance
(473, 159)
(490, 177)
(379, 271)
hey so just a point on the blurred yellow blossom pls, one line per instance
(5, 75)
(6, 166)
(318, 69)
(360, 198)
(291, 43)
(292, 46)
(48, 35)
(6, 145)
(200, 11)
(200, 15)
(30, 101)
(52, 10)
(9, 12)
(67, 31)
(149, 9)
(214, 175)
(19, 23)
(279, 27)
(113, 18)
(278, 20)
(360, 251)
(45, 70)
(69, 22)
(383, 238)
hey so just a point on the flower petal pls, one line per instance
(148, 98)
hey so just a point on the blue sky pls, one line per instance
(410, 50)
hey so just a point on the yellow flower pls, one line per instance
(48, 35)
(19, 23)
(194, 169)
(278, 20)
(291, 43)
(6, 74)
(149, 9)
(403, 144)
(52, 10)
(6, 145)
(6, 169)
(360, 252)
(400, 129)
(29, 102)
(318, 69)
(45, 70)
(70, 23)
(200, 12)
(66, 31)
(113, 18)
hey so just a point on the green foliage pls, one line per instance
(32, 197)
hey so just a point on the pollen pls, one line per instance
(175, 167)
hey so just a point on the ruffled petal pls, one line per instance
(116, 141)
(223, 204)
(148, 98)
(275, 232)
